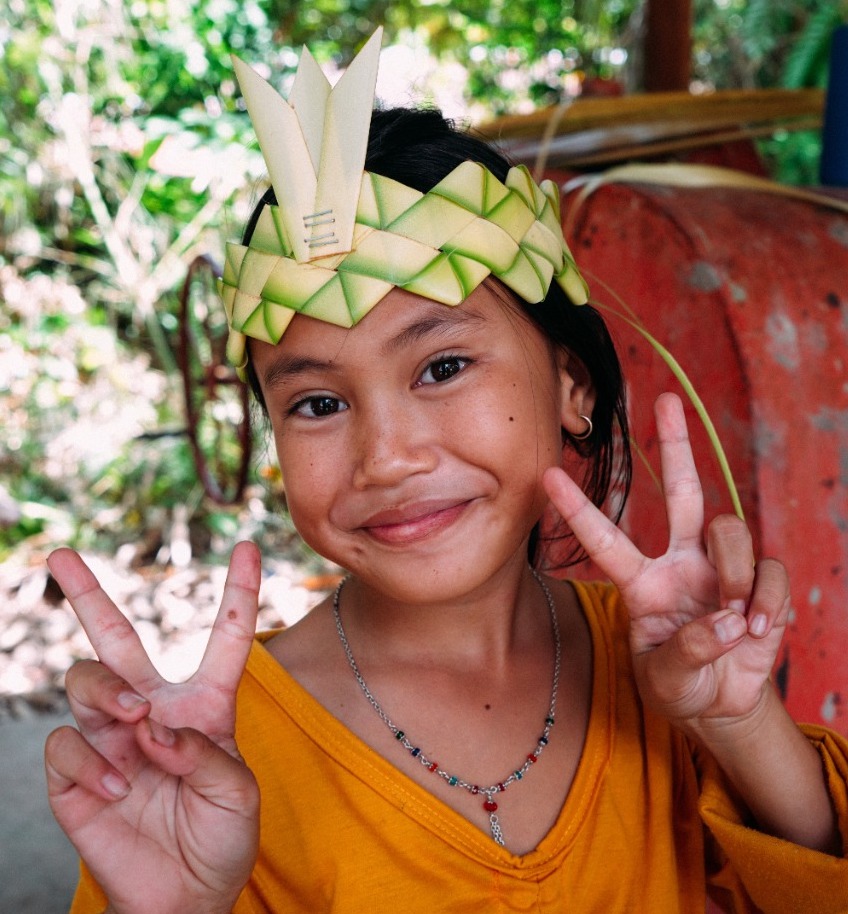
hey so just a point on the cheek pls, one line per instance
(307, 478)
(308, 504)
(530, 417)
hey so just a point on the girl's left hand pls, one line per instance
(706, 624)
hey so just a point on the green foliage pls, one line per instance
(764, 43)
(793, 156)
(807, 61)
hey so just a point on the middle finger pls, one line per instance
(681, 485)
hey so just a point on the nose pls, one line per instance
(391, 443)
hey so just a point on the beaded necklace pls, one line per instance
(453, 780)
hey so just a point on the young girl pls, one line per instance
(452, 730)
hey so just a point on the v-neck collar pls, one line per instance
(333, 738)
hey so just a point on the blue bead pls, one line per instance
(452, 782)
(416, 752)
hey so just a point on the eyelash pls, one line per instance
(341, 406)
(297, 407)
(442, 360)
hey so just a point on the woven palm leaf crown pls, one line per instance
(341, 238)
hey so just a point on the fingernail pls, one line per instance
(730, 627)
(737, 606)
(115, 785)
(758, 625)
(129, 701)
(161, 734)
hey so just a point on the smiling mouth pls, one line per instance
(400, 527)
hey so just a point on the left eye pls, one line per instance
(443, 369)
(318, 407)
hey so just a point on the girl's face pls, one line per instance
(412, 445)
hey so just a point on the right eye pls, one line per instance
(318, 407)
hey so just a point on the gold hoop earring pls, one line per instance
(589, 429)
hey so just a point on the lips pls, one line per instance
(413, 522)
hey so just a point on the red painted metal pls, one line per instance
(750, 292)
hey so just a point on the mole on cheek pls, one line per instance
(511, 419)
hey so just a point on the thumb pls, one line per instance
(212, 772)
(672, 669)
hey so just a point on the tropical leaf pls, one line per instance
(807, 62)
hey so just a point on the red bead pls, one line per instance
(490, 806)
(501, 788)
(434, 766)
(475, 790)
(531, 758)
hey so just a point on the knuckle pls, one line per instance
(730, 527)
(685, 487)
(773, 571)
(81, 673)
(59, 742)
(738, 577)
(772, 582)
(690, 644)
(232, 624)
(605, 541)
(195, 746)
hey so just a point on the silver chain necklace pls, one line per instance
(453, 780)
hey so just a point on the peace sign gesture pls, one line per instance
(706, 623)
(151, 789)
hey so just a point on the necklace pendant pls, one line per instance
(490, 805)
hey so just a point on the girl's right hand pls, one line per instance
(151, 789)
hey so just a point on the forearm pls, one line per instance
(777, 772)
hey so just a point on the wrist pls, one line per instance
(777, 772)
(227, 909)
(717, 733)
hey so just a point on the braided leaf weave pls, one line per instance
(440, 245)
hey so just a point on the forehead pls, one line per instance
(400, 320)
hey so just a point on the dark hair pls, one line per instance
(419, 147)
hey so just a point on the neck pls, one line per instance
(483, 627)
(490, 791)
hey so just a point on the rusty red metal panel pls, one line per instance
(750, 292)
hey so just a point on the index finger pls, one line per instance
(605, 543)
(235, 625)
(110, 632)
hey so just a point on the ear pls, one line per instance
(577, 395)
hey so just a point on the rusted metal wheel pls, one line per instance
(216, 401)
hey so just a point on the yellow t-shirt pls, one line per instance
(343, 831)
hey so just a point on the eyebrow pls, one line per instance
(289, 366)
(438, 323)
